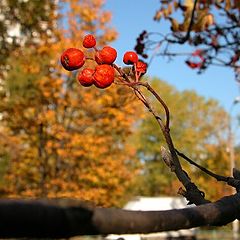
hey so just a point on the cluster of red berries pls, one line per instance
(103, 74)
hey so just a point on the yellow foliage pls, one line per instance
(73, 140)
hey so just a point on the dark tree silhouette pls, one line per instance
(210, 28)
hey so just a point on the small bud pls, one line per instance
(167, 158)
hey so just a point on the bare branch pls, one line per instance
(160, 100)
(216, 176)
(61, 218)
(186, 38)
(232, 181)
(192, 193)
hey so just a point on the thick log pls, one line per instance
(67, 218)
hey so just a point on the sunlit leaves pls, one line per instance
(23, 22)
(73, 142)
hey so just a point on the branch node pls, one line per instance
(236, 173)
(194, 195)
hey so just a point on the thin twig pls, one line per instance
(210, 173)
(192, 193)
(146, 85)
(183, 178)
(183, 40)
(143, 99)
(231, 181)
(120, 71)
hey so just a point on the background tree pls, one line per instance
(72, 142)
(210, 28)
(23, 23)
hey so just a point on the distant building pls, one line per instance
(156, 204)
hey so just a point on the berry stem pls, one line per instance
(136, 72)
(122, 74)
(149, 88)
(90, 58)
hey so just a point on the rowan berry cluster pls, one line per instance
(104, 74)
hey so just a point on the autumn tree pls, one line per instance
(209, 28)
(23, 23)
(204, 138)
(72, 142)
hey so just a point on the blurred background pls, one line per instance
(58, 139)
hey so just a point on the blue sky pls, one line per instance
(131, 17)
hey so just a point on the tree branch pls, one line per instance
(61, 218)
(212, 174)
(232, 181)
(192, 193)
(183, 40)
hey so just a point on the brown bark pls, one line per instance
(66, 218)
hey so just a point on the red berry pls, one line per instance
(193, 64)
(141, 67)
(103, 76)
(72, 59)
(130, 58)
(89, 41)
(106, 56)
(85, 77)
